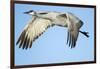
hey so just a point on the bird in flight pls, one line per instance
(42, 20)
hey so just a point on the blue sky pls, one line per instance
(51, 46)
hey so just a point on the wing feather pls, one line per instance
(73, 31)
(32, 31)
(72, 37)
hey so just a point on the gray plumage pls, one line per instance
(41, 21)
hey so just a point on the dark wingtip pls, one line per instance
(22, 41)
(71, 41)
(27, 44)
(30, 44)
(17, 42)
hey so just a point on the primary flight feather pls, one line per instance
(42, 20)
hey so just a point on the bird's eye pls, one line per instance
(43, 13)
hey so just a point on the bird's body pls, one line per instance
(43, 20)
(58, 18)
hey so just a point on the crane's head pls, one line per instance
(42, 14)
(31, 12)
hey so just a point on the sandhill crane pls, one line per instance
(42, 20)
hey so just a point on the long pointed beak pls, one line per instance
(26, 12)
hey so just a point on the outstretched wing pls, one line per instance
(72, 37)
(32, 31)
(73, 31)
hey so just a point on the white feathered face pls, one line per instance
(31, 12)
